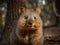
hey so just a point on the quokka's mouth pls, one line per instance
(31, 28)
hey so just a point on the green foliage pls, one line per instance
(48, 13)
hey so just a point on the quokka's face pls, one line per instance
(29, 20)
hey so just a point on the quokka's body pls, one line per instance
(29, 29)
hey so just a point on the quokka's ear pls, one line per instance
(22, 10)
(37, 10)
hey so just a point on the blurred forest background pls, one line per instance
(3, 9)
(47, 12)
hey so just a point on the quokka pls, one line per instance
(29, 28)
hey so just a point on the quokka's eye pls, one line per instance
(26, 17)
(34, 17)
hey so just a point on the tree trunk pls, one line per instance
(11, 16)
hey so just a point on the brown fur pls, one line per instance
(29, 28)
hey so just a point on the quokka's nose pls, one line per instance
(30, 23)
